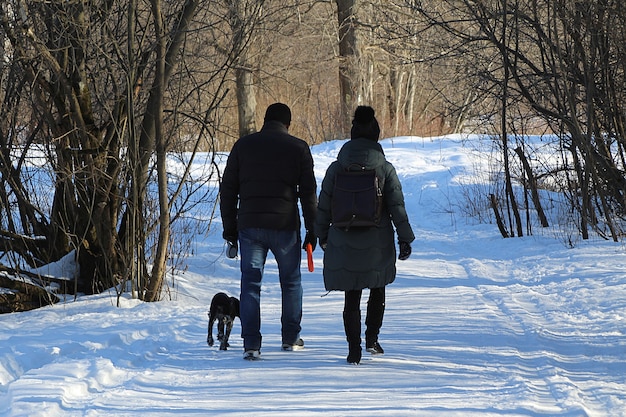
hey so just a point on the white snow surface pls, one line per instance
(475, 325)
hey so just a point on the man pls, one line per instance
(266, 173)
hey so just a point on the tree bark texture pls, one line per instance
(348, 61)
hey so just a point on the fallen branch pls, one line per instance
(18, 293)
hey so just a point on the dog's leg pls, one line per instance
(220, 328)
(209, 338)
(229, 326)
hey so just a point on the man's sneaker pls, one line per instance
(252, 355)
(297, 345)
(375, 349)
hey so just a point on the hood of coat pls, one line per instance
(361, 151)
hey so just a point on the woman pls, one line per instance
(358, 258)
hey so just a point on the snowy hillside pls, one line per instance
(475, 325)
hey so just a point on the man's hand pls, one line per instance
(230, 236)
(309, 238)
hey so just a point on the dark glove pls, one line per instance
(231, 250)
(309, 238)
(230, 236)
(405, 251)
(323, 245)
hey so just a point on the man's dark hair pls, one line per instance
(279, 112)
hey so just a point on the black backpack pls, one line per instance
(357, 198)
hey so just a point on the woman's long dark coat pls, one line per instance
(362, 258)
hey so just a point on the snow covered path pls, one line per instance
(475, 325)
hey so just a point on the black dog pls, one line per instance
(224, 309)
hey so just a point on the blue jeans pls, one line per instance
(254, 245)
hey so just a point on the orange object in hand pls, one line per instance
(309, 256)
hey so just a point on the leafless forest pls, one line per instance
(103, 90)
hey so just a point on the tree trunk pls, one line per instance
(496, 212)
(583, 187)
(510, 195)
(532, 183)
(244, 78)
(148, 142)
(348, 61)
(157, 276)
(246, 100)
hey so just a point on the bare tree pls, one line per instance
(563, 60)
(102, 110)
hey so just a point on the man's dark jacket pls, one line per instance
(265, 174)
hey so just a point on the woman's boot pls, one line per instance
(374, 320)
(352, 327)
